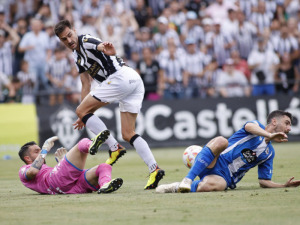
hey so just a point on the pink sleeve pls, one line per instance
(22, 172)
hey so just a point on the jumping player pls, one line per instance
(222, 163)
(69, 175)
(117, 82)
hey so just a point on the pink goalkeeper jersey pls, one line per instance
(40, 183)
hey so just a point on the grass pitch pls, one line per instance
(248, 204)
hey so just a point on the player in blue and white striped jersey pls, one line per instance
(116, 83)
(222, 163)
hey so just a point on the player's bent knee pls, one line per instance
(210, 186)
(127, 136)
(221, 143)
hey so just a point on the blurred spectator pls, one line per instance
(173, 68)
(287, 77)
(144, 42)
(263, 63)
(219, 10)
(21, 29)
(195, 62)
(220, 44)
(241, 64)
(261, 18)
(35, 44)
(211, 76)
(230, 25)
(164, 33)
(53, 39)
(191, 29)
(92, 8)
(57, 69)
(73, 84)
(6, 48)
(27, 83)
(244, 35)
(151, 73)
(140, 13)
(67, 6)
(232, 83)
(292, 7)
(89, 27)
(177, 17)
(156, 7)
(134, 59)
(286, 43)
(246, 7)
(23, 9)
(44, 13)
(5, 83)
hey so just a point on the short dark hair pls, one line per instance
(61, 26)
(277, 113)
(24, 150)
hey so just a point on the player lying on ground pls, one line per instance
(117, 83)
(69, 175)
(222, 163)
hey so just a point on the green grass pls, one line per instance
(248, 204)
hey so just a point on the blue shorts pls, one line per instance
(220, 169)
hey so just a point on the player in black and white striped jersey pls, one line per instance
(116, 83)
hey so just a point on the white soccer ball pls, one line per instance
(190, 154)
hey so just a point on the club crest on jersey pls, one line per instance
(267, 150)
(79, 61)
(85, 39)
(249, 155)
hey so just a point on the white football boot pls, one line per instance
(185, 185)
(168, 188)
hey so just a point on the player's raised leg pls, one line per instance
(78, 154)
(142, 148)
(85, 113)
(101, 175)
(205, 158)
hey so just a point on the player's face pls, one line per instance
(69, 38)
(283, 124)
(34, 151)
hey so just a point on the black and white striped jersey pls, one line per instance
(58, 68)
(97, 64)
(283, 45)
(6, 59)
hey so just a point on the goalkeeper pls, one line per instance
(69, 175)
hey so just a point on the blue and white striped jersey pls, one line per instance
(246, 151)
(96, 63)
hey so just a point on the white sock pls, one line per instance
(96, 125)
(145, 153)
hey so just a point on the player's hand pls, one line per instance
(60, 153)
(78, 125)
(109, 49)
(49, 143)
(278, 137)
(291, 183)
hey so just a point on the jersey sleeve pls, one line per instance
(255, 122)
(265, 169)
(90, 42)
(22, 173)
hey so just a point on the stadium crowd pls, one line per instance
(182, 48)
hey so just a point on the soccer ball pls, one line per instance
(190, 154)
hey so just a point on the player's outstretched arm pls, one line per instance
(257, 130)
(271, 184)
(107, 48)
(37, 164)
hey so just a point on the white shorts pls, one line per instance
(124, 86)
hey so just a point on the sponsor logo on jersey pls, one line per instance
(23, 171)
(249, 155)
(94, 69)
(132, 81)
(79, 61)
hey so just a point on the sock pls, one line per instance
(104, 174)
(84, 144)
(203, 159)
(96, 125)
(142, 148)
(195, 185)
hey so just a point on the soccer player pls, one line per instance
(222, 163)
(117, 82)
(69, 175)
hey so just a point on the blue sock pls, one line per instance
(195, 185)
(202, 160)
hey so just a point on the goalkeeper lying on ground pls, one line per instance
(69, 175)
